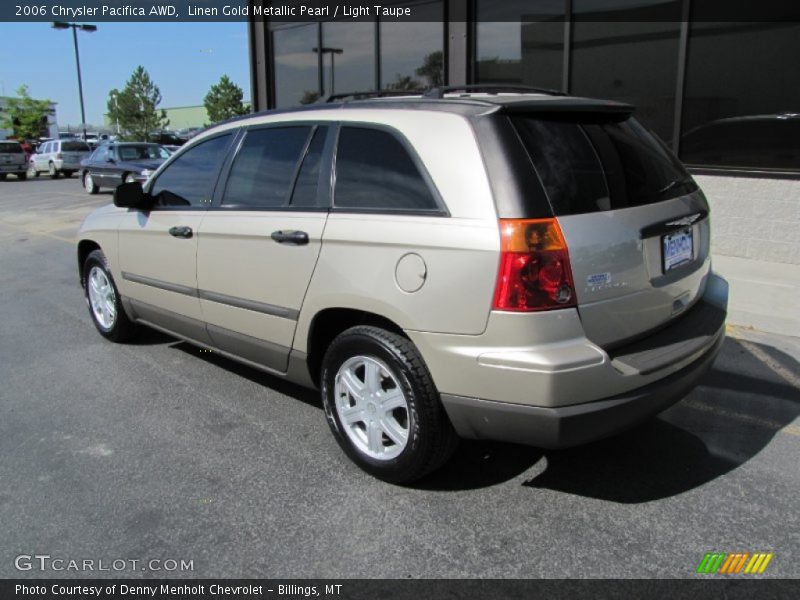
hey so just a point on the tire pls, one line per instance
(89, 185)
(3, 176)
(32, 172)
(22, 176)
(67, 174)
(51, 169)
(128, 178)
(398, 439)
(103, 300)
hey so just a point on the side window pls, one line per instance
(101, 154)
(189, 180)
(46, 148)
(305, 188)
(374, 171)
(264, 167)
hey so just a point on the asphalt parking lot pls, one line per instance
(156, 450)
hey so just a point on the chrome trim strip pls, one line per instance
(162, 285)
(261, 307)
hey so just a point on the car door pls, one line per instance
(40, 158)
(96, 163)
(259, 244)
(158, 248)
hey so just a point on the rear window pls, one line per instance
(10, 148)
(593, 166)
(75, 147)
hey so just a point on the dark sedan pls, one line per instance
(112, 164)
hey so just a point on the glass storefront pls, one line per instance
(726, 95)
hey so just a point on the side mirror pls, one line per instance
(131, 195)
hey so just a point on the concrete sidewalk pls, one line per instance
(763, 295)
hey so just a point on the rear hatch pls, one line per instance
(74, 152)
(635, 223)
(11, 156)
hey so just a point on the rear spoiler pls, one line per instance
(586, 107)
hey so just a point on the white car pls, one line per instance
(59, 157)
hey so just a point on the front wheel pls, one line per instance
(22, 176)
(89, 185)
(382, 405)
(32, 172)
(103, 300)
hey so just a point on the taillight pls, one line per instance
(534, 273)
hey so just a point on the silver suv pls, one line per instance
(59, 157)
(13, 160)
(524, 267)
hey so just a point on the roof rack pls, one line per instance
(489, 88)
(364, 95)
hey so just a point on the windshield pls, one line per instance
(142, 152)
(587, 165)
(10, 148)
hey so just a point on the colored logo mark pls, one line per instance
(733, 563)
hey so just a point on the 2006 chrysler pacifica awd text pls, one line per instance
(498, 264)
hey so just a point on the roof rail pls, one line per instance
(489, 88)
(370, 94)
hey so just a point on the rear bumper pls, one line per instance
(561, 427)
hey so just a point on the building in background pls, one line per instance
(49, 127)
(725, 96)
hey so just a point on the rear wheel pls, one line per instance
(22, 176)
(382, 405)
(2, 176)
(53, 172)
(32, 172)
(89, 185)
(103, 300)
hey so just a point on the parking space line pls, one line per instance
(744, 418)
(774, 365)
(38, 233)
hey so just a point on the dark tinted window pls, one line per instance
(305, 189)
(597, 166)
(374, 171)
(75, 147)
(10, 148)
(264, 167)
(189, 180)
(742, 93)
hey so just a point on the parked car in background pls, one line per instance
(112, 164)
(13, 160)
(166, 138)
(58, 157)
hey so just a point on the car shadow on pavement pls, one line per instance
(738, 408)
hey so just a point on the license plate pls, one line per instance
(678, 249)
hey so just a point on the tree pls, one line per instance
(309, 97)
(433, 68)
(224, 100)
(25, 116)
(134, 108)
(404, 82)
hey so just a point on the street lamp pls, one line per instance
(75, 27)
(115, 96)
(332, 52)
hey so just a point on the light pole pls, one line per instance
(75, 27)
(332, 52)
(116, 109)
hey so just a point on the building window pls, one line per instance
(419, 64)
(296, 65)
(627, 50)
(742, 96)
(348, 57)
(529, 51)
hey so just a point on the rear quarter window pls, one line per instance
(74, 147)
(375, 172)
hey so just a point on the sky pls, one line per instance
(183, 59)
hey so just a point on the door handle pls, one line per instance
(295, 238)
(180, 231)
